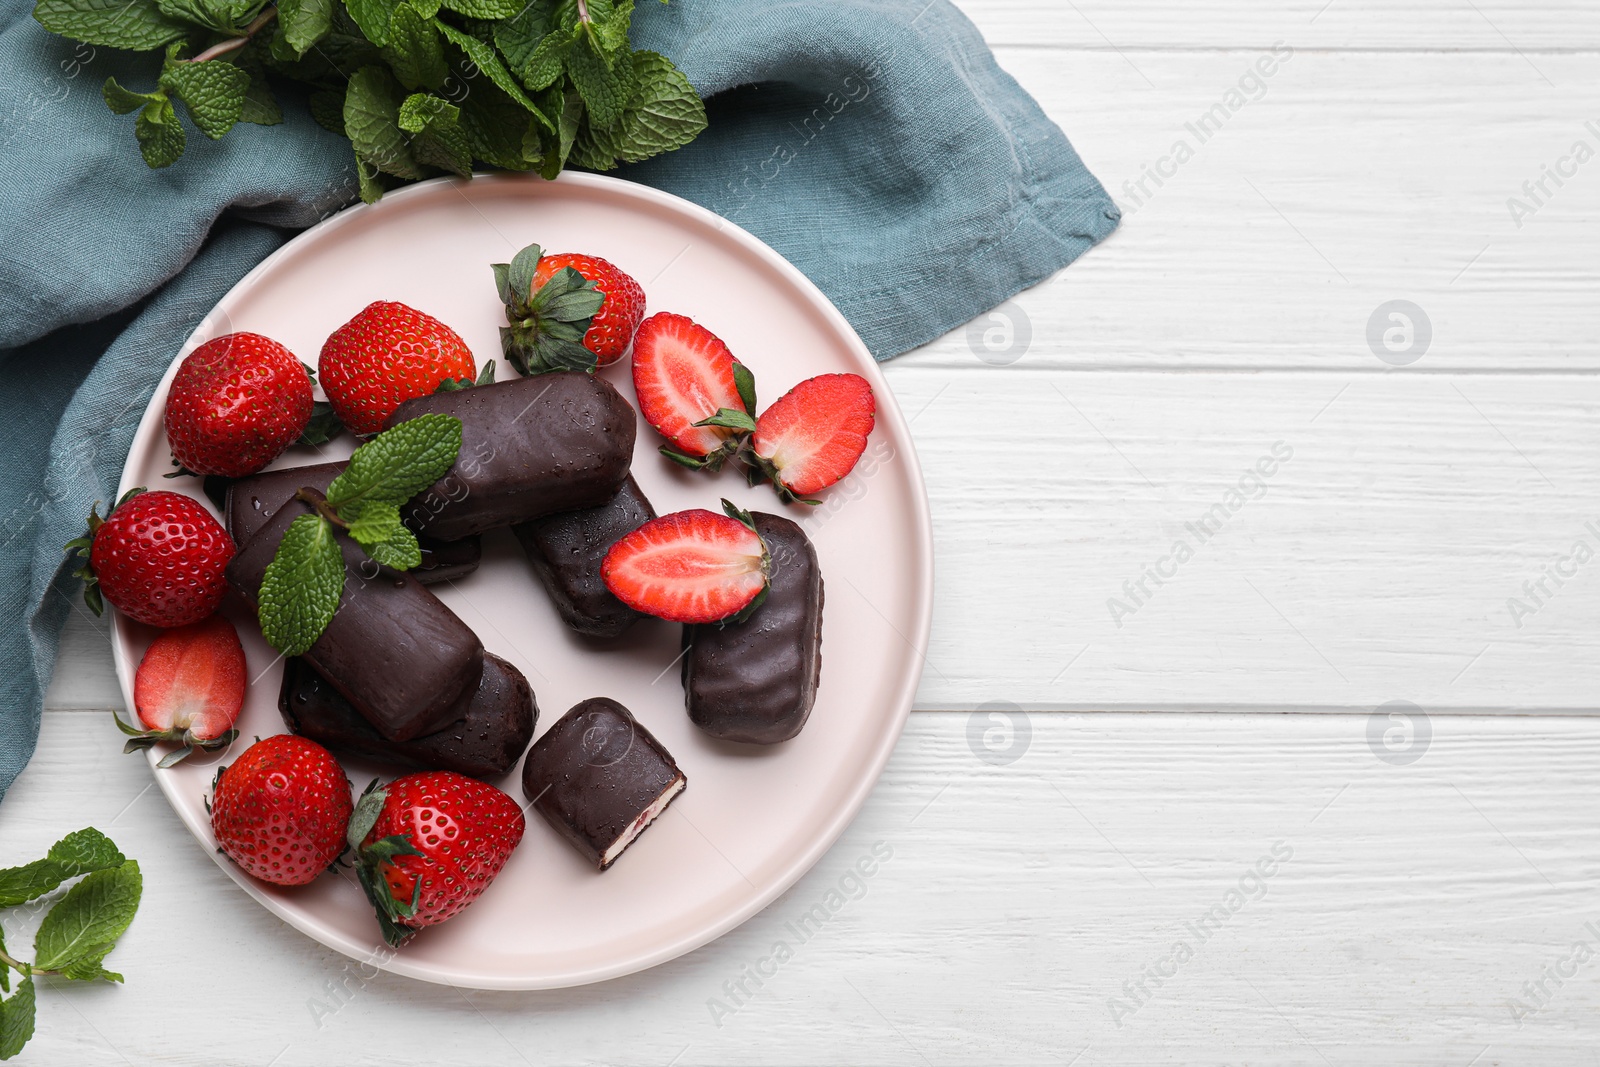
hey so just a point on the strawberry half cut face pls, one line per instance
(692, 566)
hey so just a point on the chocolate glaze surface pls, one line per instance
(485, 743)
(250, 502)
(566, 550)
(529, 447)
(403, 659)
(595, 772)
(755, 681)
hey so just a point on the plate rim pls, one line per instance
(798, 865)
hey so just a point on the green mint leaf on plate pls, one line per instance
(304, 22)
(372, 17)
(139, 26)
(414, 52)
(213, 91)
(437, 139)
(16, 1019)
(89, 919)
(300, 590)
(375, 525)
(487, 60)
(372, 122)
(399, 463)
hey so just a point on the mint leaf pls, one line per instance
(519, 35)
(371, 120)
(260, 106)
(386, 539)
(213, 91)
(16, 1019)
(90, 918)
(371, 521)
(663, 112)
(612, 31)
(567, 127)
(414, 51)
(122, 101)
(372, 17)
(603, 82)
(399, 463)
(437, 139)
(498, 128)
(327, 108)
(138, 26)
(85, 850)
(485, 9)
(304, 22)
(161, 139)
(300, 590)
(89, 968)
(544, 64)
(487, 60)
(218, 15)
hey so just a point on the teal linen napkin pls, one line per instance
(875, 143)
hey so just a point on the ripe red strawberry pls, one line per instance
(691, 566)
(429, 844)
(684, 375)
(235, 404)
(612, 328)
(386, 355)
(158, 557)
(813, 435)
(281, 809)
(189, 689)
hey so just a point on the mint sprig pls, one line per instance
(420, 87)
(77, 933)
(302, 585)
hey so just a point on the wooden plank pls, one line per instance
(1426, 25)
(1014, 903)
(1353, 181)
(1377, 565)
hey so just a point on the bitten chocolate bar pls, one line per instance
(566, 550)
(485, 743)
(756, 680)
(599, 778)
(403, 659)
(249, 502)
(529, 447)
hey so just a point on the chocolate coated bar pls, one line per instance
(756, 680)
(403, 659)
(529, 447)
(599, 778)
(485, 743)
(566, 550)
(250, 502)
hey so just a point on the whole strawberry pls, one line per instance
(235, 404)
(158, 557)
(281, 809)
(611, 330)
(189, 689)
(429, 844)
(386, 355)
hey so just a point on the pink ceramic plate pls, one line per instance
(752, 820)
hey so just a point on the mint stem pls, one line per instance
(25, 968)
(321, 505)
(233, 44)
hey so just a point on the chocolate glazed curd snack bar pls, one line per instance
(249, 502)
(529, 447)
(600, 779)
(567, 549)
(485, 742)
(403, 659)
(755, 681)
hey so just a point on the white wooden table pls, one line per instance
(1430, 873)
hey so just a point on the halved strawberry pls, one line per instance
(189, 688)
(691, 566)
(813, 435)
(692, 390)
